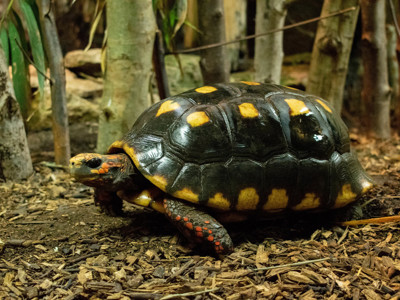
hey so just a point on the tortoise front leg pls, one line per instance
(108, 202)
(198, 226)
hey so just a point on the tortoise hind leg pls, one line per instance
(198, 226)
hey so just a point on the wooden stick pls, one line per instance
(299, 263)
(249, 37)
(188, 294)
(371, 221)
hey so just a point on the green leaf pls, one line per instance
(16, 20)
(35, 42)
(6, 12)
(4, 42)
(20, 75)
(180, 9)
(99, 12)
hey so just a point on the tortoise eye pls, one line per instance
(94, 162)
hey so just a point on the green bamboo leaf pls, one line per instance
(99, 9)
(16, 20)
(187, 23)
(6, 12)
(180, 9)
(35, 42)
(20, 75)
(4, 42)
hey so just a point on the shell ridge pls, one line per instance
(177, 175)
(277, 114)
(322, 118)
(227, 125)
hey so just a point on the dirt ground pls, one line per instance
(55, 244)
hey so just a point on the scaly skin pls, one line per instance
(114, 177)
(198, 226)
(111, 172)
(107, 174)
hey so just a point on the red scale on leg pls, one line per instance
(190, 220)
(189, 225)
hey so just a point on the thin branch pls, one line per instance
(253, 36)
(31, 61)
(299, 263)
(379, 220)
(188, 294)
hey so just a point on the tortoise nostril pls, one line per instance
(94, 162)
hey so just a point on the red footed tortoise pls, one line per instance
(229, 150)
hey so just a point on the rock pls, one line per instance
(88, 62)
(84, 88)
(79, 110)
(192, 74)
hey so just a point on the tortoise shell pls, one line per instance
(247, 146)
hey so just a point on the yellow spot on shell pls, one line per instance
(219, 202)
(197, 118)
(206, 89)
(250, 82)
(187, 194)
(157, 206)
(297, 107)
(366, 186)
(248, 199)
(345, 196)
(247, 110)
(128, 150)
(148, 198)
(158, 180)
(143, 199)
(327, 108)
(278, 199)
(310, 201)
(167, 106)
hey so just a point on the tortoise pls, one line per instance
(229, 150)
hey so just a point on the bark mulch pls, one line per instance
(55, 244)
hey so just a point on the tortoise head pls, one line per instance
(111, 171)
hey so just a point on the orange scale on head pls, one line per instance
(210, 238)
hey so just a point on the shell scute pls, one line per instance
(247, 146)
